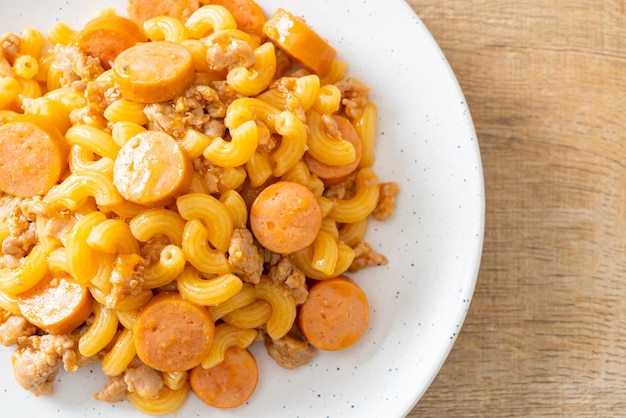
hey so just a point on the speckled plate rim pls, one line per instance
(427, 143)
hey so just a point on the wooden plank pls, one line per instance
(546, 84)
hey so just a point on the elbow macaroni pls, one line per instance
(165, 28)
(167, 401)
(100, 333)
(283, 307)
(208, 19)
(208, 292)
(325, 147)
(117, 359)
(227, 336)
(252, 81)
(237, 151)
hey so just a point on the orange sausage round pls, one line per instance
(334, 174)
(230, 383)
(247, 14)
(285, 217)
(335, 314)
(151, 168)
(154, 72)
(33, 155)
(142, 10)
(299, 41)
(57, 305)
(173, 334)
(105, 37)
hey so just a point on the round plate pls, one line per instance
(426, 142)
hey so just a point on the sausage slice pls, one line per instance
(57, 305)
(285, 217)
(154, 72)
(33, 155)
(230, 383)
(335, 314)
(105, 37)
(151, 168)
(173, 334)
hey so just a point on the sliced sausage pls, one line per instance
(57, 305)
(154, 72)
(33, 155)
(151, 168)
(248, 15)
(105, 37)
(299, 41)
(173, 334)
(285, 217)
(335, 314)
(142, 10)
(230, 383)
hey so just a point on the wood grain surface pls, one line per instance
(546, 331)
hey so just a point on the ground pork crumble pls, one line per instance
(38, 359)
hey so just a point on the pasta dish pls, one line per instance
(180, 182)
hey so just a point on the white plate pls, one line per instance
(427, 143)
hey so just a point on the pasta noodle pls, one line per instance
(125, 111)
(195, 143)
(245, 297)
(26, 66)
(78, 186)
(123, 130)
(155, 222)
(9, 89)
(238, 150)
(283, 308)
(304, 259)
(325, 147)
(227, 336)
(292, 145)
(362, 203)
(113, 236)
(100, 333)
(175, 380)
(251, 316)
(167, 268)
(27, 275)
(197, 251)
(252, 81)
(29, 89)
(53, 109)
(168, 401)
(61, 33)
(93, 139)
(237, 207)
(165, 28)
(335, 73)
(83, 261)
(211, 213)
(208, 292)
(325, 253)
(117, 359)
(9, 304)
(32, 43)
(208, 19)
(259, 168)
(243, 115)
(365, 126)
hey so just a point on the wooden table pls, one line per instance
(546, 331)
